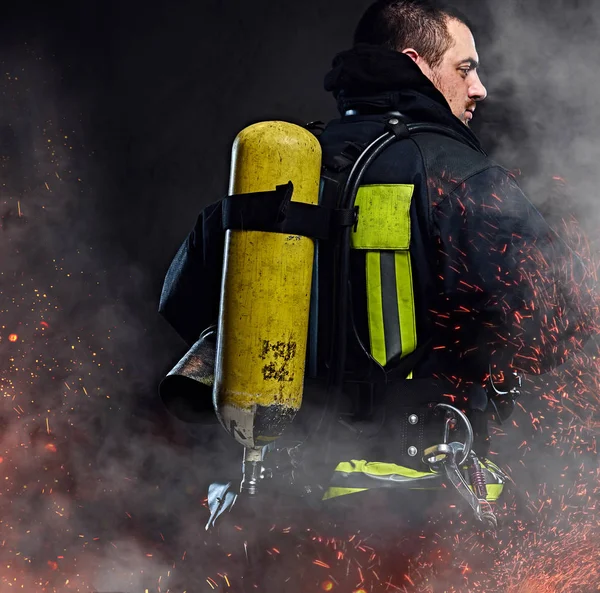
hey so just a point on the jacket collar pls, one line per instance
(374, 79)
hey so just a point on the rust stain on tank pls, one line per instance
(280, 353)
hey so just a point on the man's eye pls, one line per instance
(465, 71)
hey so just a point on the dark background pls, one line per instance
(116, 123)
(159, 91)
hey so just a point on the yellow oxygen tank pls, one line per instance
(265, 295)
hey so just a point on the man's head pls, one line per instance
(438, 40)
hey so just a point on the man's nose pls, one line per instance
(477, 91)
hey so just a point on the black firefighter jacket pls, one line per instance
(492, 282)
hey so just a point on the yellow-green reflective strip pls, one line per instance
(375, 307)
(383, 230)
(378, 468)
(493, 492)
(383, 217)
(334, 492)
(406, 302)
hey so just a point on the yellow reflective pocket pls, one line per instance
(383, 234)
(383, 217)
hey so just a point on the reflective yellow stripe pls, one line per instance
(384, 231)
(335, 492)
(378, 469)
(493, 492)
(374, 468)
(406, 302)
(375, 307)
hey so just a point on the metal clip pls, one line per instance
(435, 457)
(444, 457)
(452, 414)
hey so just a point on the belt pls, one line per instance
(401, 423)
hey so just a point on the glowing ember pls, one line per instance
(13, 338)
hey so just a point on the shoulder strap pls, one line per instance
(395, 130)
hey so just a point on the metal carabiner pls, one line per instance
(444, 458)
(437, 456)
(468, 444)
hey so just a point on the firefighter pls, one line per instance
(454, 285)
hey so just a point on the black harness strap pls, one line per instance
(395, 130)
(274, 212)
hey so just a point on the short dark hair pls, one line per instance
(399, 24)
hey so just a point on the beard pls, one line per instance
(435, 76)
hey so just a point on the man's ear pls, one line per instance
(413, 54)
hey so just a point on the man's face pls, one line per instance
(456, 76)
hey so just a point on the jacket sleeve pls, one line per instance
(190, 296)
(522, 297)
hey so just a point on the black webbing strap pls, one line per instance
(274, 212)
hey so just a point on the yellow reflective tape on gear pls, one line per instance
(378, 469)
(383, 217)
(493, 492)
(335, 492)
(383, 230)
(375, 468)
(375, 307)
(406, 302)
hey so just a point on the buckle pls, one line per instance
(451, 457)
